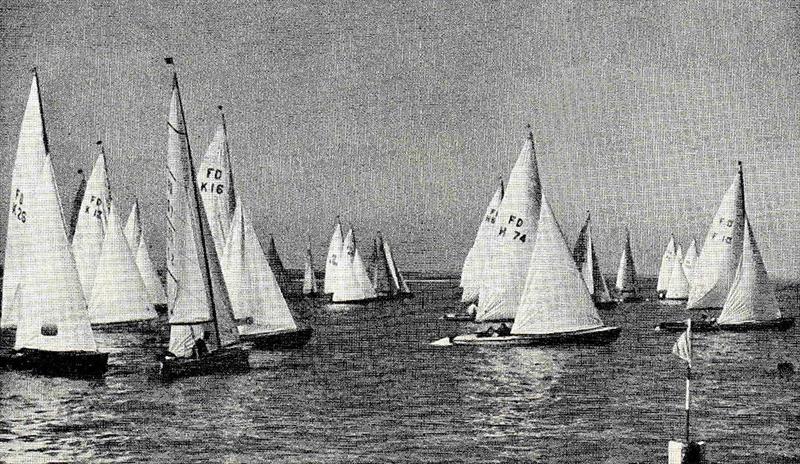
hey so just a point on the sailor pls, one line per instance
(503, 330)
(200, 347)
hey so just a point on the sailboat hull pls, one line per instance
(598, 336)
(605, 304)
(222, 361)
(149, 325)
(698, 325)
(72, 364)
(282, 340)
(783, 323)
(459, 317)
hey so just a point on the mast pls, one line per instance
(41, 112)
(231, 191)
(197, 201)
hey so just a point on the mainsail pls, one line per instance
(678, 288)
(555, 299)
(258, 304)
(309, 277)
(381, 275)
(355, 284)
(52, 309)
(32, 149)
(512, 245)
(197, 298)
(277, 265)
(689, 260)
(752, 294)
(215, 181)
(118, 292)
(332, 281)
(92, 220)
(626, 273)
(397, 277)
(472, 272)
(588, 264)
(665, 271)
(715, 269)
(136, 242)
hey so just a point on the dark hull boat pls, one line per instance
(597, 336)
(280, 340)
(698, 325)
(606, 305)
(222, 361)
(459, 317)
(151, 325)
(73, 364)
(783, 323)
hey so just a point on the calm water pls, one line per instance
(369, 388)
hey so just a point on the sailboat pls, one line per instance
(137, 244)
(379, 272)
(626, 274)
(751, 303)
(203, 335)
(90, 228)
(715, 269)
(354, 284)
(54, 333)
(332, 280)
(678, 285)
(555, 307)
(665, 271)
(399, 285)
(76, 206)
(215, 181)
(472, 272)
(514, 233)
(262, 314)
(589, 266)
(309, 277)
(689, 260)
(277, 266)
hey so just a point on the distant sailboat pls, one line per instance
(355, 285)
(90, 229)
(136, 242)
(472, 272)
(76, 206)
(203, 335)
(689, 260)
(665, 271)
(626, 274)
(215, 181)
(54, 334)
(751, 303)
(262, 314)
(555, 307)
(332, 260)
(398, 281)
(309, 278)
(715, 269)
(514, 234)
(589, 266)
(678, 285)
(118, 292)
(277, 266)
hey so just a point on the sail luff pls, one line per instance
(76, 206)
(600, 292)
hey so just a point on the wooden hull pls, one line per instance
(72, 364)
(679, 326)
(599, 336)
(282, 340)
(223, 361)
(783, 323)
(354, 302)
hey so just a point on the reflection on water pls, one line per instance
(369, 388)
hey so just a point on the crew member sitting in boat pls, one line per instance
(503, 330)
(200, 347)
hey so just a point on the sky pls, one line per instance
(403, 116)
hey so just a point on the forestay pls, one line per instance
(92, 220)
(678, 288)
(31, 151)
(514, 235)
(355, 284)
(752, 294)
(332, 280)
(472, 272)
(555, 299)
(665, 271)
(716, 267)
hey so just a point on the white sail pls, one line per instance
(355, 284)
(197, 298)
(253, 289)
(514, 234)
(752, 294)
(383, 281)
(398, 281)
(555, 299)
(472, 272)
(689, 260)
(138, 245)
(118, 291)
(332, 279)
(215, 181)
(90, 229)
(588, 264)
(678, 288)
(626, 273)
(52, 309)
(309, 278)
(31, 151)
(716, 267)
(665, 271)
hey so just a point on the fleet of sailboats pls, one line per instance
(354, 284)
(589, 266)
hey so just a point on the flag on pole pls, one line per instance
(683, 347)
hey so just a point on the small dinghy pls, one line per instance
(387, 280)
(555, 307)
(665, 270)
(626, 287)
(589, 266)
(203, 335)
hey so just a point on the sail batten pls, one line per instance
(472, 272)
